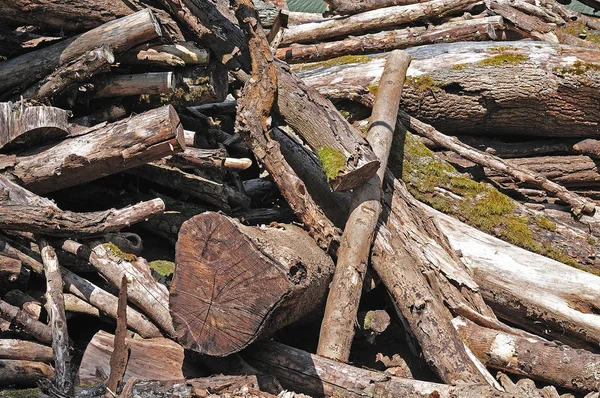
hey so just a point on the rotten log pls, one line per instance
(473, 83)
(290, 275)
(79, 70)
(120, 35)
(370, 20)
(25, 124)
(25, 350)
(136, 84)
(120, 355)
(337, 328)
(150, 359)
(25, 302)
(23, 373)
(25, 211)
(192, 158)
(317, 376)
(535, 358)
(85, 290)
(148, 295)
(466, 30)
(348, 7)
(178, 54)
(27, 324)
(55, 306)
(13, 275)
(102, 151)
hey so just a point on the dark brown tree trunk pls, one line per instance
(23, 373)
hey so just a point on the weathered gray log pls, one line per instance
(451, 87)
(529, 25)
(27, 324)
(79, 70)
(119, 35)
(535, 358)
(337, 328)
(55, 306)
(150, 359)
(21, 123)
(466, 30)
(23, 373)
(179, 54)
(25, 350)
(346, 7)
(148, 295)
(370, 20)
(192, 158)
(289, 274)
(102, 151)
(120, 354)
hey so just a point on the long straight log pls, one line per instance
(143, 291)
(455, 78)
(538, 359)
(120, 354)
(135, 84)
(55, 306)
(25, 350)
(337, 328)
(102, 151)
(467, 30)
(347, 7)
(120, 35)
(370, 20)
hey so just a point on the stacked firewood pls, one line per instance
(178, 202)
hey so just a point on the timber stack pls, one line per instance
(229, 198)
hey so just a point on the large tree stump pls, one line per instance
(234, 284)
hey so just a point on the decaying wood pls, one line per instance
(136, 84)
(589, 147)
(21, 124)
(25, 302)
(79, 70)
(23, 373)
(120, 35)
(55, 305)
(147, 294)
(24, 322)
(337, 328)
(578, 204)
(25, 211)
(370, 20)
(25, 350)
(179, 54)
(466, 30)
(102, 151)
(535, 358)
(13, 275)
(345, 7)
(468, 88)
(120, 354)
(539, 294)
(192, 158)
(149, 359)
(74, 304)
(289, 276)
(324, 377)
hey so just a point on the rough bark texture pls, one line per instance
(280, 276)
(25, 350)
(23, 373)
(136, 84)
(337, 328)
(26, 323)
(470, 88)
(468, 30)
(318, 376)
(55, 305)
(538, 359)
(346, 156)
(120, 354)
(370, 20)
(179, 54)
(345, 7)
(120, 35)
(102, 151)
(150, 359)
(13, 275)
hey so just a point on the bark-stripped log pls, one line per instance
(143, 291)
(179, 54)
(25, 350)
(23, 373)
(347, 7)
(317, 376)
(26, 323)
(337, 328)
(120, 354)
(102, 151)
(529, 25)
(242, 282)
(137, 84)
(120, 35)
(370, 20)
(55, 306)
(24, 124)
(192, 158)
(467, 30)
(469, 88)
(538, 359)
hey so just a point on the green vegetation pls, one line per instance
(332, 162)
(24, 393)
(578, 68)
(423, 83)
(504, 59)
(163, 267)
(343, 60)
(118, 252)
(373, 88)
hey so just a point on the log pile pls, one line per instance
(229, 198)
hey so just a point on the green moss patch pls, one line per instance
(343, 60)
(332, 161)
(118, 252)
(163, 267)
(423, 83)
(504, 59)
(578, 68)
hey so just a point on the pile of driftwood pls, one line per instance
(279, 230)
